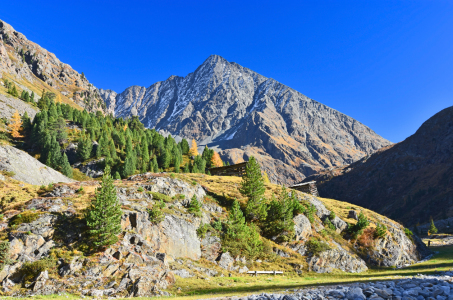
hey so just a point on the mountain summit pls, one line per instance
(243, 113)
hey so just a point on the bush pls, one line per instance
(159, 197)
(380, 231)
(329, 224)
(203, 229)
(140, 189)
(310, 212)
(4, 254)
(24, 217)
(32, 269)
(316, 247)
(155, 214)
(357, 229)
(194, 207)
(332, 215)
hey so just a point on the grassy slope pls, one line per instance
(245, 284)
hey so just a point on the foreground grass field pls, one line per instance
(228, 286)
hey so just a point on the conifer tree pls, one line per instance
(194, 206)
(32, 97)
(177, 164)
(117, 175)
(432, 227)
(184, 146)
(266, 177)
(84, 147)
(104, 215)
(252, 187)
(65, 166)
(186, 168)
(155, 165)
(129, 164)
(15, 125)
(194, 149)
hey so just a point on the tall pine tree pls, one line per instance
(252, 187)
(104, 215)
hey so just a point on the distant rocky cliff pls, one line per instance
(410, 181)
(243, 113)
(32, 67)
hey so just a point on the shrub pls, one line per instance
(4, 254)
(310, 212)
(329, 224)
(172, 175)
(332, 215)
(316, 247)
(380, 231)
(194, 182)
(194, 207)
(140, 189)
(159, 197)
(24, 217)
(32, 269)
(358, 228)
(155, 214)
(79, 190)
(203, 229)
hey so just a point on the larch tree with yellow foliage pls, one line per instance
(58, 100)
(15, 125)
(194, 149)
(266, 177)
(216, 160)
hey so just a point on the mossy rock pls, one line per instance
(24, 217)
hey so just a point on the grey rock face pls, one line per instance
(27, 169)
(244, 113)
(353, 215)
(337, 258)
(9, 105)
(302, 227)
(92, 169)
(25, 60)
(226, 261)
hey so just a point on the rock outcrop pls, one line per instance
(27, 169)
(9, 105)
(409, 181)
(26, 61)
(243, 113)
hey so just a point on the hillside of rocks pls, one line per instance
(48, 241)
(411, 181)
(243, 113)
(33, 68)
(22, 166)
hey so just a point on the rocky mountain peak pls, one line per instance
(242, 113)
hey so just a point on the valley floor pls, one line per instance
(227, 287)
(191, 288)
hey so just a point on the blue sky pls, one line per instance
(388, 64)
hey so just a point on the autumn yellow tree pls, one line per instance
(193, 151)
(58, 100)
(216, 160)
(15, 125)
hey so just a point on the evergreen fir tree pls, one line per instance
(432, 227)
(65, 166)
(84, 148)
(155, 165)
(104, 215)
(32, 97)
(194, 206)
(252, 187)
(184, 146)
(186, 168)
(117, 175)
(129, 165)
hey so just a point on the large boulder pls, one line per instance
(27, 169)
(302, 227)
(337, 258)
(175, 236)
(395, 249)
